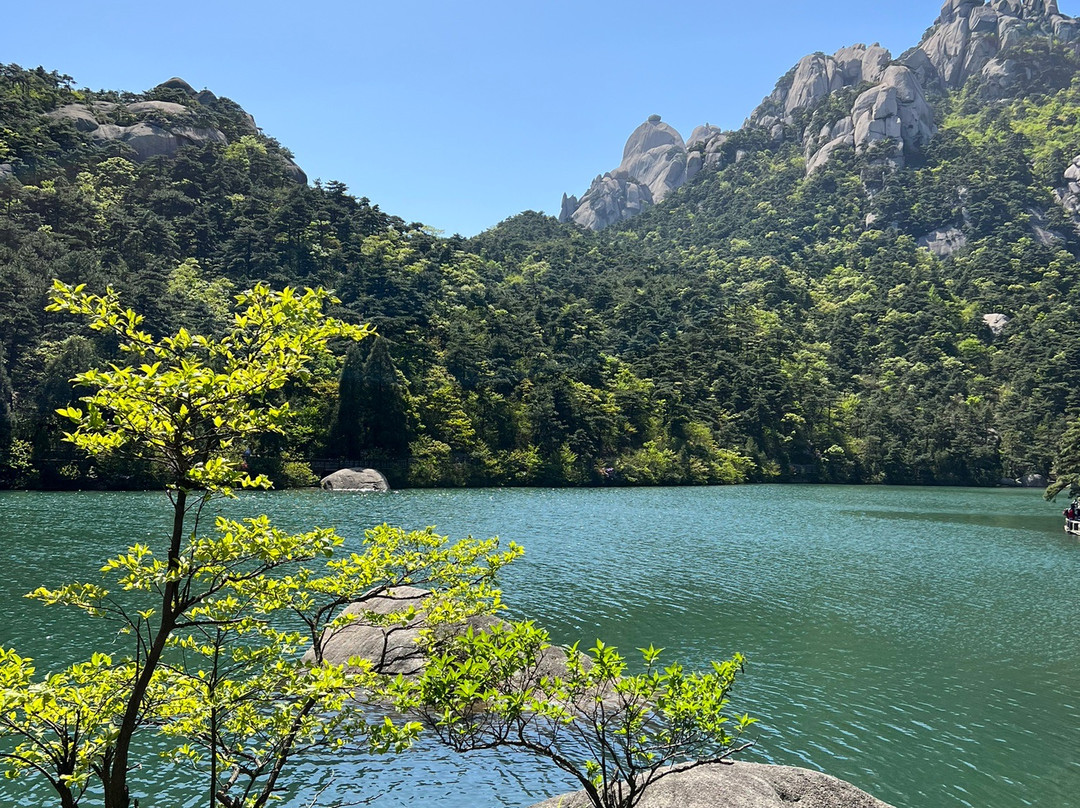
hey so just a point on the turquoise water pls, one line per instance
(919, 642)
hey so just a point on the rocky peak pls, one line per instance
(890, 120)
(970, 38)
(655, 162)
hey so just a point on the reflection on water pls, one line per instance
(919, 642)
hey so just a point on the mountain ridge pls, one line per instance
(891, 115)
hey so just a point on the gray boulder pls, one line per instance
(355, 479)
(392, 644)
(996, 322)
(150, 140)
(7, 173)
(1000, 76)
(177, 83)
(1033, 481)
(944, 241)
(1068, 195)
(78, 114)
(164, 107)
(816, 76)
(741, 785)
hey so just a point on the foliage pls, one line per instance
(183, 409)
(758, 324)
(614, 731)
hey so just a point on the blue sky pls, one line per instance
(456, 114)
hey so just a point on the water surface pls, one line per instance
(919, 642)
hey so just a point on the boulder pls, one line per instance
(996, 322)
(944, 241)
(150, 140)
(1068, 195)
(392, 645)
(164, 107)
(741, 785)
(822, 155)
(1000, 76)
(7, 173)
(177, 83)
(78, 114)
(355, 479)
(946, 48)
(391, 648)
(816, 76)
(1033, 481)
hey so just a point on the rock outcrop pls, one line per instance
(894, 113)
(817, 76)
(355, 479)
(889, 121)
(944, 241)
(970, 38)
(1068, 195)
(390, 645)
(655, 162)
(165, 132)
(159, 128)
(996, 322)
(741, 785)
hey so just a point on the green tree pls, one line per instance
(184, 408)
(372, 414)
(614, 731)
(1067, 463)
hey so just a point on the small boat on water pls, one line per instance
(1072, 518)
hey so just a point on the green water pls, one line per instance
(921, 643)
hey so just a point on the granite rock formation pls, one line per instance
(741, 785)
(655, 162)
(890, 119)
(159, 127)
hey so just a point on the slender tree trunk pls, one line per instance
(117, 794)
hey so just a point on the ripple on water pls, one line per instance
(918, 642)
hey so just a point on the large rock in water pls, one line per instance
(355, 479)
(391, 648)
(392, 645)
(741, 785)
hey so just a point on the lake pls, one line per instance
(918, 642)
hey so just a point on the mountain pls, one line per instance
(876, 279)
(860, 99)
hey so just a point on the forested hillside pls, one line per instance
(761, 323)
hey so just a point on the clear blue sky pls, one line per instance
(456, 114)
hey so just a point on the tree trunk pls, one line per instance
(117, 794)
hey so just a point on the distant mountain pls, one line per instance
(859, 99)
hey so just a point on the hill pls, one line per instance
(874, 280)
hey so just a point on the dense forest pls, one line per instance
(759, 324)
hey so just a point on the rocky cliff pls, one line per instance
(860, 99)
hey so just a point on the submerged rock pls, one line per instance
(741, 785)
